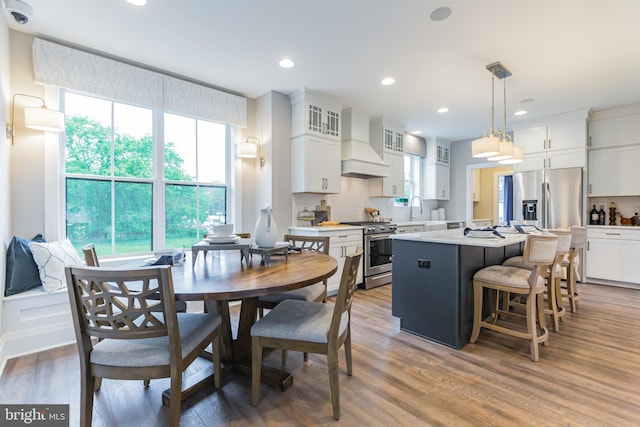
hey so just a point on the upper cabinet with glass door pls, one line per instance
(316, 114)
(385, 135)
(438, 151)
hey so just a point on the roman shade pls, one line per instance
(73, 69)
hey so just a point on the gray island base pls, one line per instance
(432, 290)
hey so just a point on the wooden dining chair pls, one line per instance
(135, 342)
(90, 256)
(315, 292)
(570, 263)
(310, 327)
(539, 251)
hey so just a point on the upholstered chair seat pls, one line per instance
(315, 292)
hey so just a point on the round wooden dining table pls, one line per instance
(220, 280)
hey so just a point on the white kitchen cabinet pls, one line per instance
(559, 141)
(341, 244)
(614, 171)
(393, 185)
(614, 127)
(385, 135)
(418, 228)
(437, 182)
(475, 177)
(438, 151)
(613, 254)
(316, 114)
(315, 165)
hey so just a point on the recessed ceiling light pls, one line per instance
(416, 132)
(520, 113)
(443, 110)
(387, 81)
(138, 2)
(440, 14)
(287, 63)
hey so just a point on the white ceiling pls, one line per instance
(567, 55)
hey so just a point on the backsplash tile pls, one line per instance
(349, 205)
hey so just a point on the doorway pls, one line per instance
(489, 195)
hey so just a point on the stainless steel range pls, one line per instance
(377, 252)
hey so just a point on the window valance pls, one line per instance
(73, 69)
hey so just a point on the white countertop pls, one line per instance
(457, 237)
(615, 227)
(418, 222)
(319, 228)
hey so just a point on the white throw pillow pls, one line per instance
(51, 259)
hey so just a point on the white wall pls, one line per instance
(5, 191)
(27, 153)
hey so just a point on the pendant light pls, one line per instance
(498, 146)
(488, 145)
(506, 146)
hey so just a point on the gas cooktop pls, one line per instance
(374, 227)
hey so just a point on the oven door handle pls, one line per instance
(379, 236)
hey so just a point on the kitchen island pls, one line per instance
(432, 291)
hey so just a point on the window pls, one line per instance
(132, 186)
(412, 179)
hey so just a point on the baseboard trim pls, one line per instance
(25, 342)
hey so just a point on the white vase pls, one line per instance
(266, 231)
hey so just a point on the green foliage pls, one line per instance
(91, 209)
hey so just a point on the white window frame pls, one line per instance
(55, 177)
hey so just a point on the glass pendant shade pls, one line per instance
(247, 150)
(42, 118)
(486, 146)
(506, 152)
(518, 156)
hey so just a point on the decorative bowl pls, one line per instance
(222, 230)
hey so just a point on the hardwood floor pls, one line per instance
(589, 375)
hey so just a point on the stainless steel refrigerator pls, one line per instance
(549, 198)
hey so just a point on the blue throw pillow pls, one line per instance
(22, 271)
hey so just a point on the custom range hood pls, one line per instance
(359, 159)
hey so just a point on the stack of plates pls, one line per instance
(227, 239)
(507, 230)
(480, 233)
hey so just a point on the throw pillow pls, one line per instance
(51, 259)
(22, 271)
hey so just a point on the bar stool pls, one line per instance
(539, 251)
(570, 263)
(552, 275)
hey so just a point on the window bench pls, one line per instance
(34, 321)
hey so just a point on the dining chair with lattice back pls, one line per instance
(91, 260)
(539, 251)
(310, 327)
(141, 336)
(316, 292)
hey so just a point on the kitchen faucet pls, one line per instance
(411, 217)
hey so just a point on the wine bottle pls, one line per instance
(595, 216)
(601, 215)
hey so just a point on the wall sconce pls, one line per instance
(250, 150)
(38, 118)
